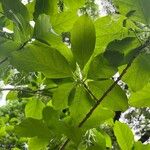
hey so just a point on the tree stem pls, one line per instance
(87, 116)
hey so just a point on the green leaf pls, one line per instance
(7, 46)
(108, 29)
(137, 10)
(12, 95)
(34, 108)
(99, 116)
(30, 7)
(121, 51)
(83, 39)
(74, 4)
(124, 136)
(141, 98)
(42, 27)
(14, 7)
(107, 139)
(139, 146)
(48, 7)
(39, 57)
(101, 68)
(116, 100)
(52, 120)
(99, 141)
(63, 22)
(43, 34)
(81, 105)
(38, 143)
(138, 74)
(32, 127)
(60, 96)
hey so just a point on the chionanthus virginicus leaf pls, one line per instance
(99, 116)
(140, 146)
(60, 96)
(109, 28)
(124, 136)
(74, 4)
(83, 39)
(63, 22)
(119, 52)
(38, 143)
(29, 128)
(42, 32)
(141, 98)
(40, 57)
(100, 68)
(116, 100)
(34, 108)
(138, 74)
(7, 46)
(80, 105)
(99, 142)
(48, 7)
(138, 10)
(14, 7)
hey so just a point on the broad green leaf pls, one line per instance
(124, 136)
(30, 7)
(38, 143)
(116, 100)
(31, 128)
(108, 29)
(48, 7)
(107, 139)
(51, 118)
(99, 141)
(12, 95)
(34, 108)
(74, 4)
(40, 57)
(121, 51)
(83, 39)
(63, 22)
(43, 34)
(72, 132)
(60, 96)
(81, 105)
(42, 27)
(22, 29)
(137, 10)
(138, 74)
(101, 68)
(140, 146)
(7, 46)
(14, 7)
(141, 98)
(99, 116)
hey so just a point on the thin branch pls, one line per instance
(138, 50)
(64, 144)
(4, 60)
(89, 91)
(33, 92)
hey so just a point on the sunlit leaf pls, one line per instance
(83, 39)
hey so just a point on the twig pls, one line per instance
(64, 144)
(89, 91)
(5, 59)
(33, 92)
(138, 50)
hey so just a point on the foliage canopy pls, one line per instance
(69, 85)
